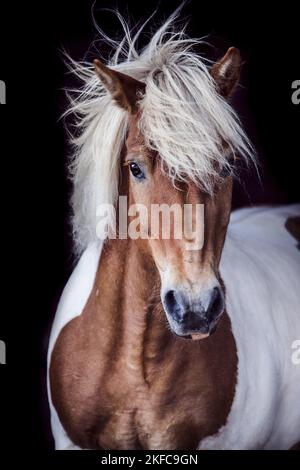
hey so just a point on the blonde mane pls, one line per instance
(182, 117)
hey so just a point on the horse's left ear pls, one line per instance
(226, 72)
(125, 90)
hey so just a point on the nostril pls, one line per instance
(216, 305)
(173, 307)
(170, 301)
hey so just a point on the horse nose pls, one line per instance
(194, 315)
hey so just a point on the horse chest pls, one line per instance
(125, 401)
(137, 415)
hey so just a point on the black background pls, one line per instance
(37, 249)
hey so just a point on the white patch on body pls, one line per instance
(261, 270)
(71, 304)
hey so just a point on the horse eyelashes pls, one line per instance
(227, 170)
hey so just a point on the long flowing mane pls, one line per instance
(182, 117)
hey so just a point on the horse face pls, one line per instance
(191, 288)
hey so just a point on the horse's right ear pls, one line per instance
(125, 90)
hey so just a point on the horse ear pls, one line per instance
(125, 90)
(226, 72)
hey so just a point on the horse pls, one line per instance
(155, 345)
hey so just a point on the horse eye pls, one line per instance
(136, 170)
(226, 170)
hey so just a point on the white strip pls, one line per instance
(71, 304)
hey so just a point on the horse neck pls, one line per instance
(127, 303)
